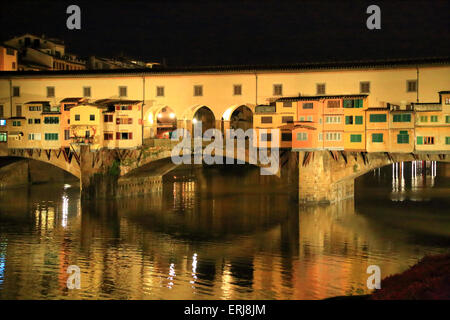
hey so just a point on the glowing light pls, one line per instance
(172, 115)
(150, 118)
(194, 121)
(67, 186)
(159, 115)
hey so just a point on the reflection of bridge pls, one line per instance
(323, 176)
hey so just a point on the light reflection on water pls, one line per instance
(219, 234)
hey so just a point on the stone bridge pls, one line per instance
(321, 176)
(329, 176)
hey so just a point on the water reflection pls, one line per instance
(218, 233)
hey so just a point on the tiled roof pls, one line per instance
(71, 99)
(37, 102)
(307, 98)
(339, 65)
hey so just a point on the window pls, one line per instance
(309, 118)
(16, 91)
(160, 91)
(287, 119)
(2, 114)
(411, 85)
(34, 108)
(364, 87)
(287, 104)
(320, 88)
(86, 92)
(51, 136)
(377, 118)
(124, 120)
(13, 65)
(17, 123)
(286, 136)
(30, 121)
(428, 140)
(2, 122)
(51, 120)
(302, 136)
(37, 121)
(377, 137)
(266, 119)
(447, 119)
(124, 135)
(266, 137)
(403, 137)
(419, 140)
(122, 108)
(320, 136)
(237, 90)
(66, 134)
(333, 136)
(302, 118)
(423, 118)
(3, 137)
(9, 51)
(358, 120)
(92, 117)
(447, 140)
(333, 104)
(332, 119)
(277, 90)
(108, 136)
(122, 91)
(348, 119)
(77, 117)
(34, 136)
(18, 110)
(402, 117)
(308, 105)
(447, 100)
(355, 138)
(198, 91)
(108, 118)
(50, 92)
(434, 119)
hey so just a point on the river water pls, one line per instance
(219, 233)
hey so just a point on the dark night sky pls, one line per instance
(238, 32)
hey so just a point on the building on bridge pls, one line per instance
(432, 127)
(107, 123)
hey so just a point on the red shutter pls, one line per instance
(140, 121)
(117, 135)
(130, 120)
(130, 108)
(117, 120)
(130, 135)
(117, 108)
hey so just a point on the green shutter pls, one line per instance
(419, 140)
(447, 140)
(355, 138)
(377, 118)
(403, 137)
(377, 137)
(397, 118)
(348, 120)
(358, 103)
(447, 119)
(434, 118)
(406, 117)
(348, 103)
(359, 120)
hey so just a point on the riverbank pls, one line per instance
(429, 279)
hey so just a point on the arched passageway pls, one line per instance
(166, 123)
(241, 118)
(203, 117)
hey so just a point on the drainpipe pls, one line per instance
(142, 108)
(417, 91)
(10, 98)
(256, 86)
